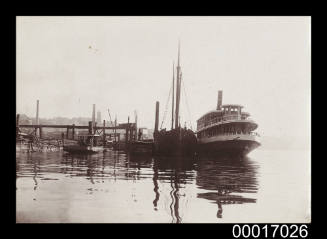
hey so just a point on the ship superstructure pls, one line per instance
(226, 130)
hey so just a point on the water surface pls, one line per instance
(266, 186)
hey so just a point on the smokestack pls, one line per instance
(157, 117)
(17, 120)
(220, 99)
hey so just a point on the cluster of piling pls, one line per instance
(118, 139)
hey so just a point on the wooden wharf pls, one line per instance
(71, 129)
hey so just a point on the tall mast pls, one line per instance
(177, 88)
(172, 104)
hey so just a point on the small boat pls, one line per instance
(119, 145)
(141, 147)
(109, 143)
(86, 144)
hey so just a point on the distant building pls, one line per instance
(24, 119)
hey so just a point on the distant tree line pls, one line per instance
(24, 119)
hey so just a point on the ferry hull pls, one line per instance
(229, 147)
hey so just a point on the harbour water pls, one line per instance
(267, 186)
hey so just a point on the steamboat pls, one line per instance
(227, 130)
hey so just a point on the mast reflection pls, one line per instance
(156, 186)
(225, 177)
(176, 171)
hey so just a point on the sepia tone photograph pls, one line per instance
(170, 119)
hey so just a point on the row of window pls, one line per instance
(216, 120)
(225, 130)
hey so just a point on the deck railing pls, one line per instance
(219, 119)
(235, 133)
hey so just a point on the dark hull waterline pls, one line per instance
(229, 147)
(75, 149)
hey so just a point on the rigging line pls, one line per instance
(187, 106)
(110, 117)
(166, 108)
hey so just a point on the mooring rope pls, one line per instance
(187, 106)
(166, 108)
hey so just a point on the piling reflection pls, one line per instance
(226, 178)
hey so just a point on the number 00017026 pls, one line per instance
(271, 231)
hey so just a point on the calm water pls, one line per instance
(267, 186)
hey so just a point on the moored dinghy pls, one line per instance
(86, 144)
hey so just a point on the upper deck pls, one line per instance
(227, 114)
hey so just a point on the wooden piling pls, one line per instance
(118, 141)
(90, 127)
(67, 132)
(135, 128)
(127, 132)
(37, 112)
(37, 116)
(73, 131)
(17, 125)
(115, 130)
(131, 134)
(17, 120)
(93, 118)
(40, 131)
(157, 117)
(104, 132)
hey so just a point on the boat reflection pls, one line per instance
(168, 181)
(96, 167)
(225, 178)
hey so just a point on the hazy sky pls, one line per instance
(125, 64)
